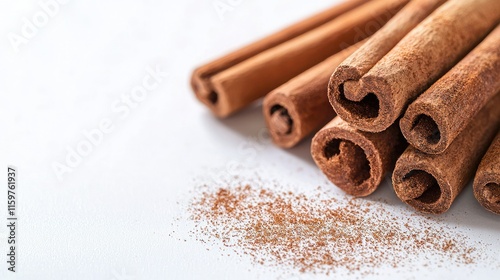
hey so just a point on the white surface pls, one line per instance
(110, 218)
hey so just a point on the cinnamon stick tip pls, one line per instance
(213, 97)
(280, 120)
(415, 184)
(487, 191)
(341, 75)
(421, 186)
(424, 129)
(491, 193)
(358, 101)
(212, 100)
(197, 80)
(342, 157)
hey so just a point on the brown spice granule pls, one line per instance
(322, 235)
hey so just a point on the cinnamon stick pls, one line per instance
(200, 79)
(435, 119)
(300, 106)
(373, 100)
(430, 183)
(354, 160)
(487, 180)
(245, 82)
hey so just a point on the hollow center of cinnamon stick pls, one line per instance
(365, 108)
(281, 122)
(491, 193)
(349, 158)
(426, 129)
(421, 186)
(213, 97)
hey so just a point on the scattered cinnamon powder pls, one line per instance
(314, 234)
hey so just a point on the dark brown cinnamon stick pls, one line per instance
(430, 183)
(353, 160)
(435, 119)
(200, 80)
(300, 106)
(487, 180)
(245, 82)
(373, 100)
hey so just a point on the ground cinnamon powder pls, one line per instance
(314, 234)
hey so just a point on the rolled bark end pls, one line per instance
(363, 106)
(421, 126)
(487, 192)
(366, 102)
(300, 107)
(283, 120)
(353, 160)
(344, 159)
(398, 77)
(433, 121)
(212, 100)
(426, 129)
(213, 97)
(487, 180)
(202, 91)
(360, 103)
(491, 193)
(280, 120)
(420, 185)
(453, 168)
(208, 95)
(348, 159)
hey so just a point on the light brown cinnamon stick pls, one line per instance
(373, 100)
(487, 180)
(300, 106)
(430, 183)
(356, 161)
(245, 82)
(200, 80)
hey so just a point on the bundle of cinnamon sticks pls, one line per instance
(409, 86)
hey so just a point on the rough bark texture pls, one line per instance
(353, 160)
(359, 63)
(435, 119)
(439, 179)
(374, 101)
(487, 181)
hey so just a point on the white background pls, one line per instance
(111, 217)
